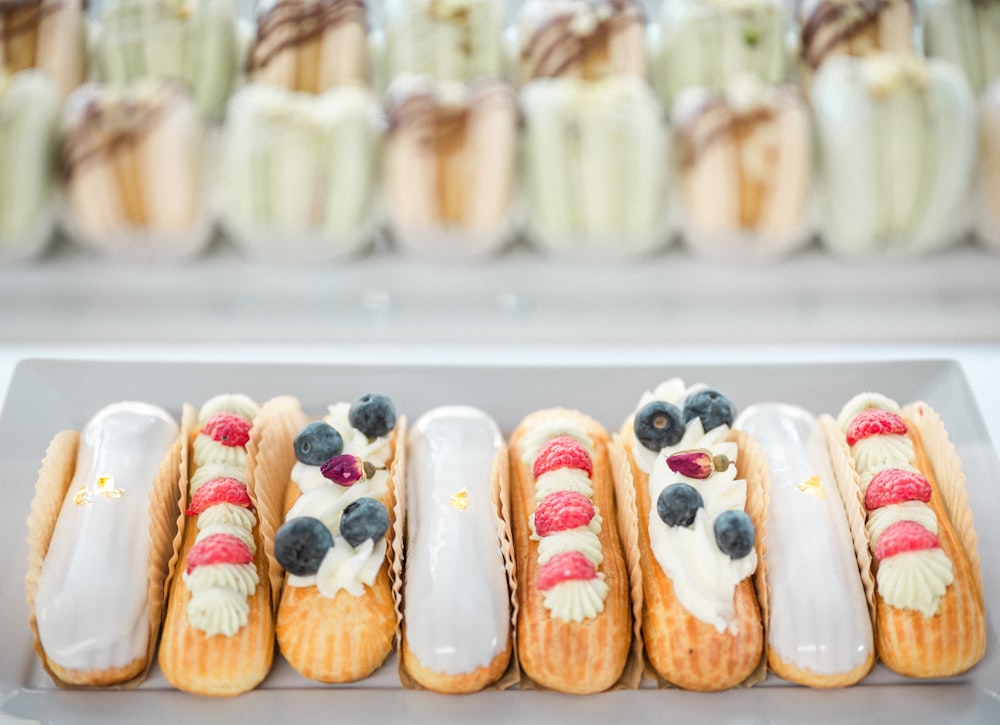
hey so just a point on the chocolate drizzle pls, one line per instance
(834, 21)
(554, 49)
(304, 22)
(20, 18)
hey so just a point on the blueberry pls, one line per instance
(301, 544)
(678, 504)
(373, 414)
(658, 425)
(734, 533)
(317, 443)
(364, 519)
(711, 406)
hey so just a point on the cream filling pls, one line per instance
(374, 451)
(862, 402)
(593, 525)
(882, 451)
(218, 610)
(230, 529)
(207, 450)
(345, 567)
(881, 519)
(915, 580)
(227, 514)
(563, 479)
(576, 600)
(582, 539)
(538, 436)
(235, 403)
(241, 578)
(211, 471)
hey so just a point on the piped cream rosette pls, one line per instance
(299, 172)
(896, 137)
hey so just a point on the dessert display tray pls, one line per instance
(46, 396)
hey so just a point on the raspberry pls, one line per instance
(218, 549)
(904, 536)
(562, 452)
(228, 429)
(895, 485)
(569, 566)
(561, 511)
(872, 422)
(219, 490)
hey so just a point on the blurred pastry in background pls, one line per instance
(587, 39)
(447, 40)
(966, 32)
(744, 168)
(299, 171)
(858, 28)
(309, 45)
(132, 166)
(896, 137)
(194, 41)
(450, 160)
(50, 35)
(596, 166)
(706, 42)
(988, 216)
(29, 120)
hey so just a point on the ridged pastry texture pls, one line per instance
(581, 39)
(744, 168)
(218, 637)
(346, 636)
(896, 140)
(193, 41)
(910, 639)
(29, 118)
(583, 656)
(299, 172)
(966, 32)
(705, 43)
(595, 166)
(309, 45)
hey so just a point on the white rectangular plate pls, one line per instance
(46, 396)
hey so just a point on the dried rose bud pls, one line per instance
(693, 464)
(345, 469)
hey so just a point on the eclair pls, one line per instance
(988, 202)
(581, 39)
(699, 523)
(309, 45)
(101, 535)
(574, 618)
(966, 32)
(337, 616)
(218, 637)
(744, 167)
(898, 466)
(819, 629)
(450, 158)
(457, 542)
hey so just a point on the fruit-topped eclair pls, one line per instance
(574, 618)
(50, 35)
(219, 631)
(699, 515)
(900, 467)
(337, 616)
(101, 535)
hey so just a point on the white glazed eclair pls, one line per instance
(299, 172)
(457, 633)
(99, 595)
(819, 629)
(705, 43)
(744, 168)
(309, 45)
(896, 140)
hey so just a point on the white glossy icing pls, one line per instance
(92, 601)
(818, 615)
(577, 600)
(915, 580)
(881, 519)
(703, 577)
(455, 587)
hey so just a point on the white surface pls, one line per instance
(48, 396)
